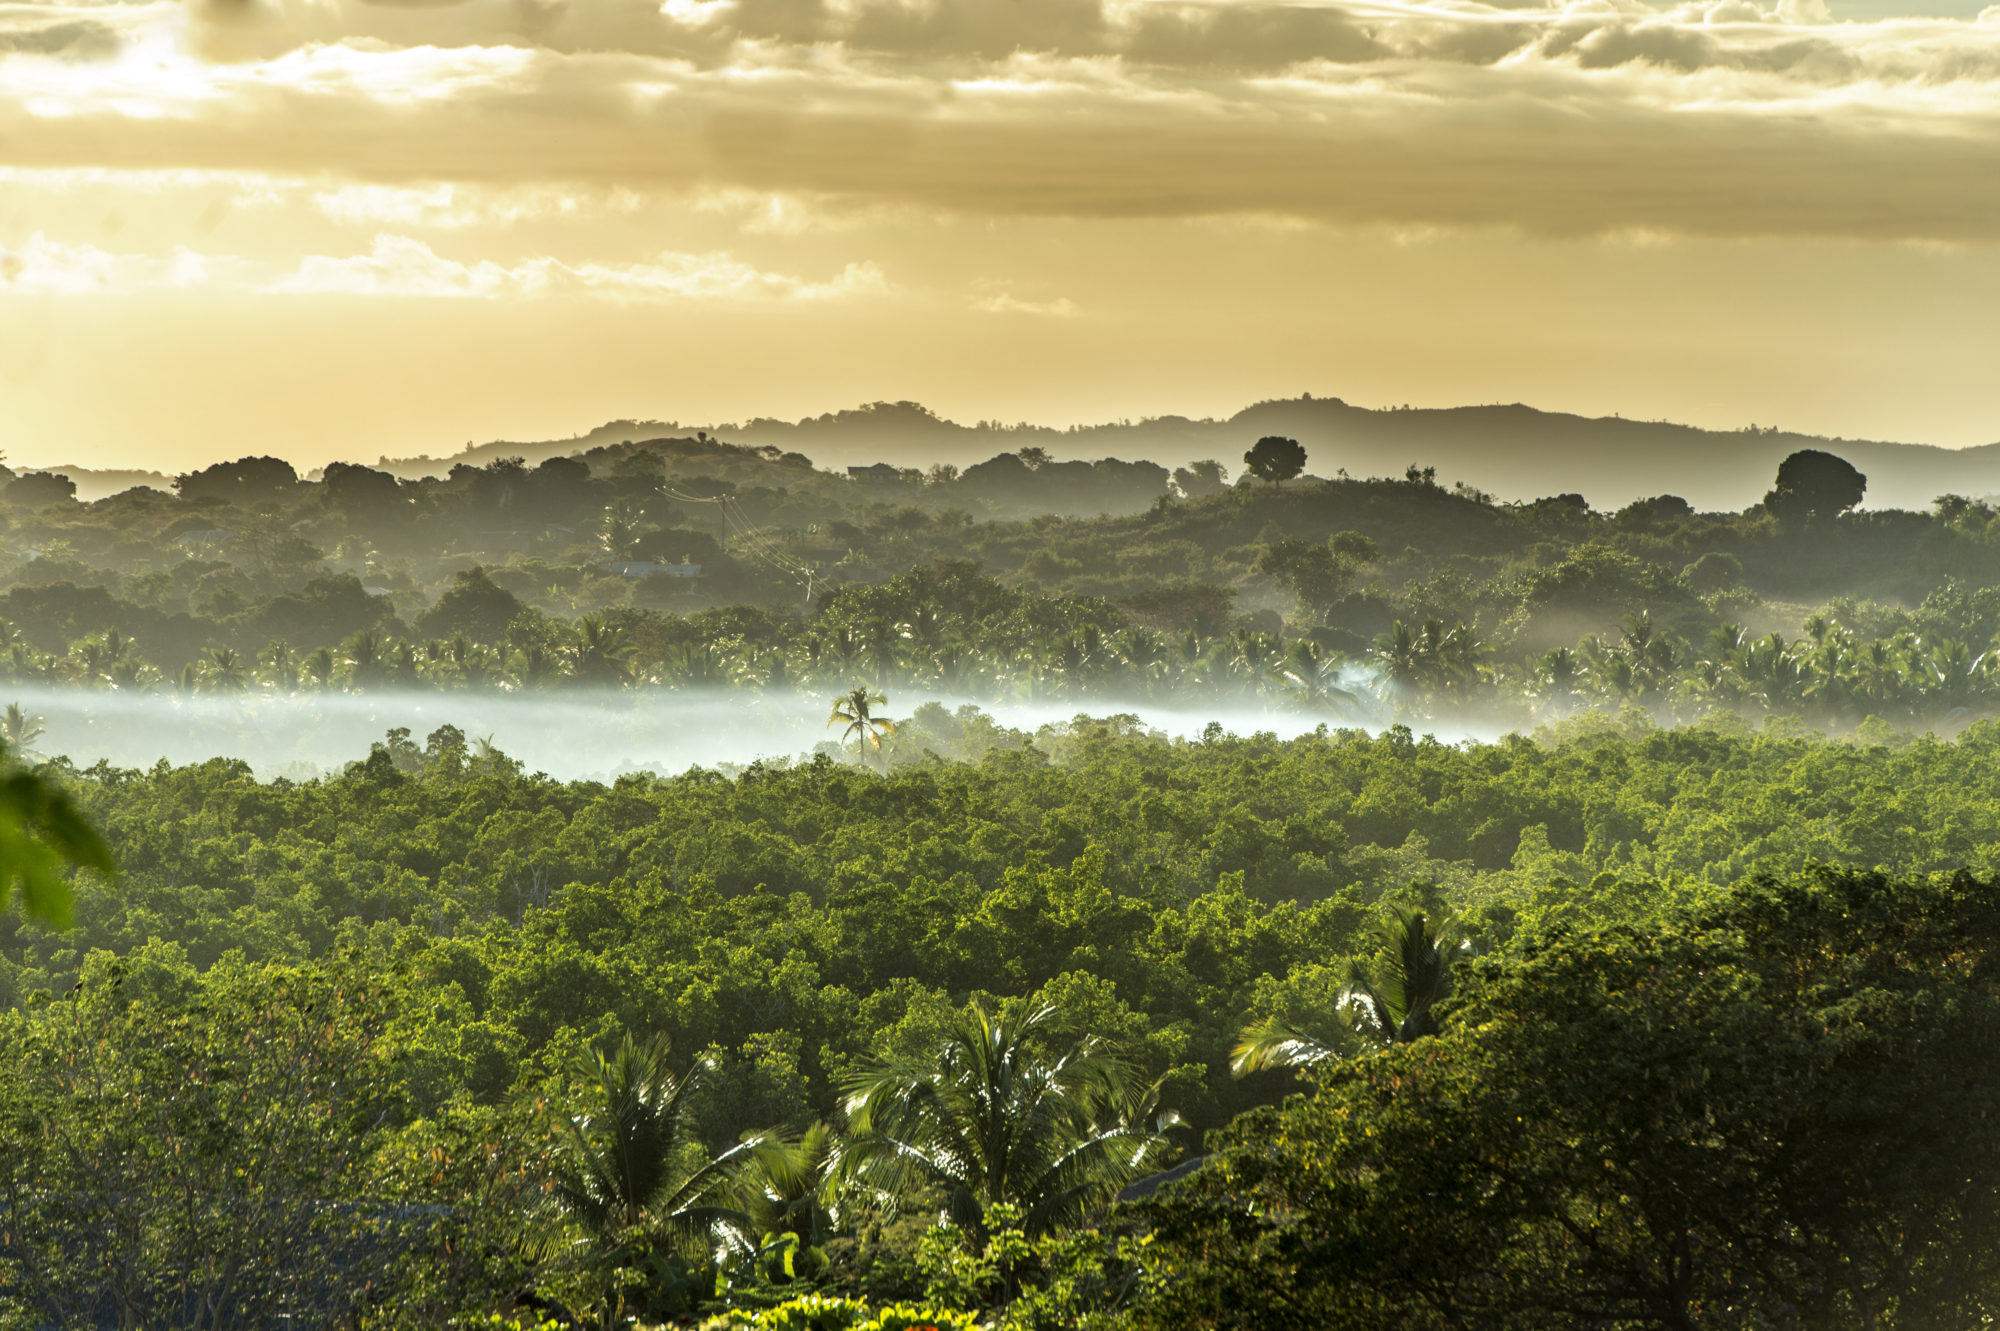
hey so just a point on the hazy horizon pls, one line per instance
(580, 735)
(965, 440)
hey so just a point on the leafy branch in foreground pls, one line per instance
(41, 831)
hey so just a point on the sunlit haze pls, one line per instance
(337, 229)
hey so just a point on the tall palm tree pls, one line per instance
(1879, 677)
(603, 653)
(226, 671)
(281, 665)
(364, 658)
(856, 708)
(92, 659)
(1254, 658)
(537, 668)
(319, 667)
(1391, 999)
(1143, 654)
(1071, 661)
(626, 1192)
(1399, 655)
(403, 666)
(995, 1112)
(882, 649)
(925, 628)
(1316, 678)
(618, 528)
(1556, 675)
(692, 665)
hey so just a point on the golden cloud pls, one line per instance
(1720, 118)
(401, 267)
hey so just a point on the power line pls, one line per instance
(736, 518)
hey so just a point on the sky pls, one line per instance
(356, 228)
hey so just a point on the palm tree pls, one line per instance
(281, 665)
(1412, 973)
(1556, 675)
(319, 667)
(1254, 658)
(696, 665)
(769, 669)
(1072, 660)
(364, 658)
(856, 707)
(1879, 676)
(537, 668)
(798, 1192)
(226, 672)
(1316, 679)
(993, 1114)
(1452, 656)
(1611, 671)
(405, 669)
(925, 628)
(883, 651)
(1142, 653)
(93, 660)
(625, 1191)
(1400, 658)
(19, 730)
(1390, 1000)
(949, 665)
(603, 653)
(618, 528)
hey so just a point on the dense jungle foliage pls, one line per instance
(444, 943)
(692, 563)
(1664, 1011)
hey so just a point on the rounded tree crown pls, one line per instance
(1275, 458)
(1813, 484)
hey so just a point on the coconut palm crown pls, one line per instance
(1005, 1109)
(856, 708)
(627, 1179)
(1390, 1000)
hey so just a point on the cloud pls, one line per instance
(994, 298)
(43, 265)
(449, 207)
(72, 40)
(764, 213)
(1716, 117)
(398, 266)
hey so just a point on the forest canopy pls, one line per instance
(1645, 1010)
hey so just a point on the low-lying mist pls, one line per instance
(570, 736)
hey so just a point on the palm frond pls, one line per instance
(1272, 1043)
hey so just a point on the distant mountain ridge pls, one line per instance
(1512, 451)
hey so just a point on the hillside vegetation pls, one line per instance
(1650, 1013)
(695, 564)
